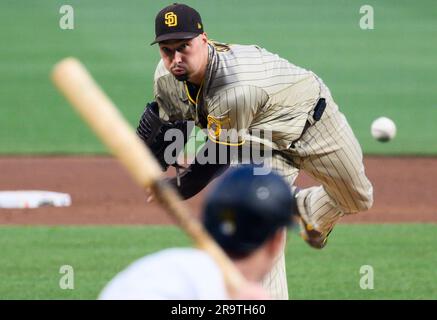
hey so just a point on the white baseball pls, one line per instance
(383, 129)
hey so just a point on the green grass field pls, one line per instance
(389, 71)
(403, 258)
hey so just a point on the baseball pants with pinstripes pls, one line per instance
(329, 152)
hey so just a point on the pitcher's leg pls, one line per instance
(275, 282)
(335, 160)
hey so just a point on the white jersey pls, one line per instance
(172, 274)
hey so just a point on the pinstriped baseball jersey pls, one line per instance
(246, 88)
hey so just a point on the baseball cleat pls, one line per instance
(314, 238)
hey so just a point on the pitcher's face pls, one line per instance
(185, 59)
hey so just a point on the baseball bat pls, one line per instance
(95, 107)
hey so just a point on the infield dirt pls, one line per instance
(405, 190)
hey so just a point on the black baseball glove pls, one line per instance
(193, 179)
(152, 129)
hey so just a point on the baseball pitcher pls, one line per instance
(246, 97)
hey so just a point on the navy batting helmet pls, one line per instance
(243, 210)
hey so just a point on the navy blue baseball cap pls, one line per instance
(243, 210)
(177, 22)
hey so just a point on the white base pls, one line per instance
(33, 199)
